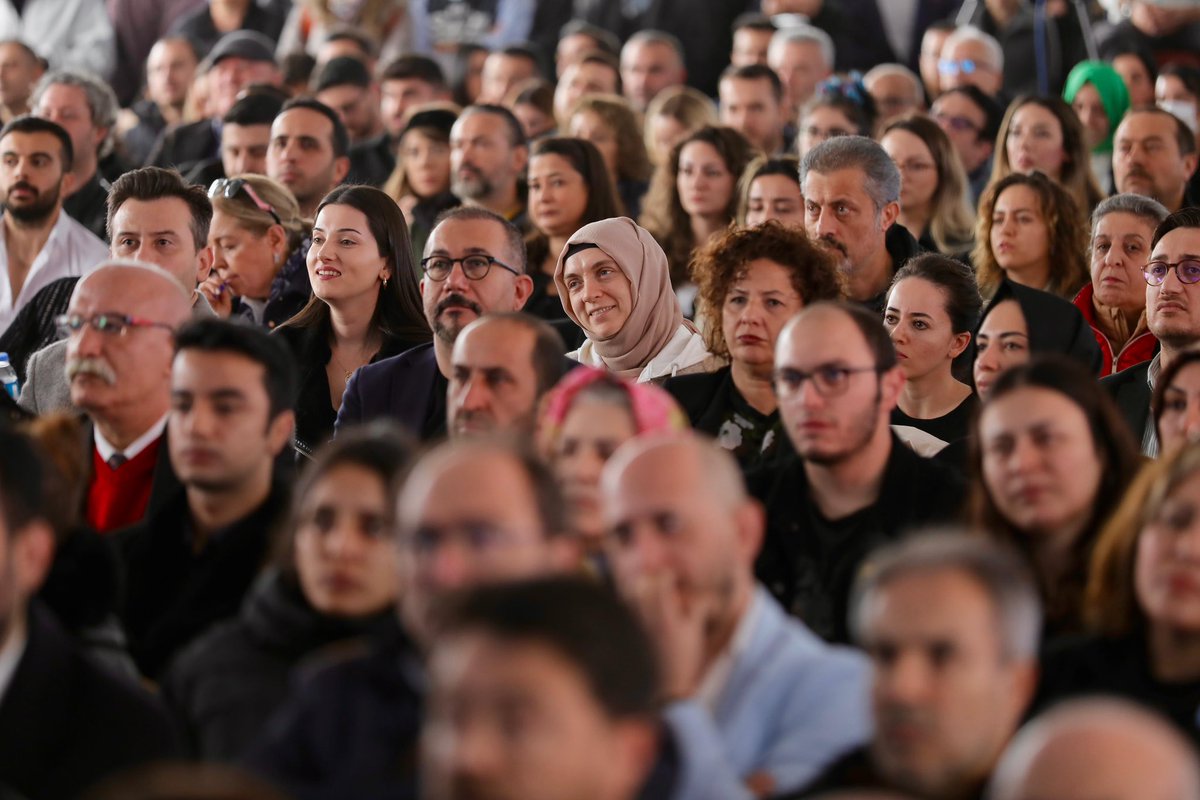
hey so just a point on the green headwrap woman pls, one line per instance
(1098, 95)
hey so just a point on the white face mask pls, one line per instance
(1184, 109)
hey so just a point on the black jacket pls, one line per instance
(811, 575)
(226, 685)
(183, 146)
(372, 161)
(87, 205)
(856, 770)
(172, 593)
(33, 327)
(1130, 388)
(901, 246)
(66, 723)
(408, 388)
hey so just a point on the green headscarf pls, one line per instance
(1114, 96)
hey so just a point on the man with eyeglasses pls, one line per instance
(971, 120)
(1172, 315)
(118, 329)
(852, 485)
(474, 264)
(472, 512)
(971, 57)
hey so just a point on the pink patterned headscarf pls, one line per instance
(654, 409)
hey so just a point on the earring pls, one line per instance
(385, 280)
(278, 259)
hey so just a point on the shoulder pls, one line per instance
(413, 358)
(1133, 376)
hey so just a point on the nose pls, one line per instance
(474, 394)
(198, 421)
(897, 334)
(86, 342)
(449, 566)
(1191, 423)
(343, 540)
(1024, 457)
(906, 679)
(825, 224)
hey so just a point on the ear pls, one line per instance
(751, 524)
(279, 432)
(421, 286)
(520, 159)
(1189, 164)
(278, 239)
(66, 185)
(341, 168)
(522, 292)
(32, 553)
(204, 263)
(959, 343)
(889, 215)
(891, 384)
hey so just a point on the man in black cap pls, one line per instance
(238, 60)
(345, 85)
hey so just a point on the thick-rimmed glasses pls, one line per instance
(476, 267)
(229, 188)
(830, 380)
(1187, 271)
(109, 324)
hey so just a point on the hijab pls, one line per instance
(1114, 95)
(655, 316)
(1055, 325)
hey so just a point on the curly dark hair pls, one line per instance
(722, 261)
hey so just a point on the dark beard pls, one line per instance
(37, 210)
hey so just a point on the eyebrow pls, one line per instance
(911, 313)
(441, 251)
(42, 153)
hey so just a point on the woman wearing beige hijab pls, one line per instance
(615, 284)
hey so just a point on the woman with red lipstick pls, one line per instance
(1043, 134)
(1114, 302)
(1050, 459)
(365, 304)
(1142, 601)
(569, 187)
(931, 309)
(1031, 232)
(336, 580)
(752, 281)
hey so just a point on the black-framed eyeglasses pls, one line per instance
(475, 267)
(110, 324)
(1187, 271)
(830, 380)
(229, 188)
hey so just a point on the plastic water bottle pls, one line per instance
(8, 377)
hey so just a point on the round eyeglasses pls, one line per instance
(476, 267)
(1187, 271)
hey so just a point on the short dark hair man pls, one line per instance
(1154, 154)
(752, 104)
(567, 656)
(308, 151)
(245, 138)
(504, 70)
(501, 366)
(651, 61)
(66, 722)
(412, 386)
(972, 120)
(190, 564)
(851, 485)
(488, 156)
(752, 34)
(345, 85)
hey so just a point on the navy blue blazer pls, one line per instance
(407, 388)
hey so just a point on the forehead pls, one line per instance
(162, 214)
(495, 344)
(958, 104)
(478, 666)
(847, 183)
(125, 290)
(700, 151)
(170, 49)
(232, 132)
(336, 95)
(820, 337)
(802, 51)
(657, 52)
(774, 185)
(1034, 113)
(11, 51)
(901, 140)
(1143, 124)
(1029, 406)
(339, 215)
(918, 294)
(463, 235)
(302, 121)
(1122, 223)
(1179, 242)
(469, 485)
(745, 86)
(202, 370)
(891, 82)
(23, 143)
(968, 48)
(406, 85)
(1006, 317)
(665, 477)
(937, 602)
(481, 125)
(587, 259)
(1019, 196)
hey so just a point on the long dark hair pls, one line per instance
(602, 195)
(398, 313)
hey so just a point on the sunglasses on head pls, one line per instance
(229, 188)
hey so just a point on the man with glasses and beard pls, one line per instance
(474, 264)
(38, 243)
(851, 485)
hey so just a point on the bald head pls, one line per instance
(695, 467)
(1097, 748)
(140, 286)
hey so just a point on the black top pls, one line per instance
(173, 593)
(1055, 325)
(33, 327)
(950, 427)
(1115, 665)
(87, 205)
(371, 161)
(199, 27)
(716, 407)
(856, 770)
(809, 562)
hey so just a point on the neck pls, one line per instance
(1054, 553)
(916, 220)
(852, 484)
(351, 321)
(1174, 654)
(213, 510)
(755, 386)
(121, 431)
(83, 173)
(503, 202)
(1035, 276)
(1167, 353)
(704, 228)
(1130, 316)
(172, 113)
(33, 233)
(867, 281)
(933, 395)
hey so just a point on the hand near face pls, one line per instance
(676, 621)
(218, 294)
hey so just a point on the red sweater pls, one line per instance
(119, 497)
(1141, 347)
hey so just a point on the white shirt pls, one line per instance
(713, 684)
(107, 450)
(10, 657)
(71, 251)
(70, 34)
(683, 354)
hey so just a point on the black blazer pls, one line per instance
(66, 723)
(408, 388)
(183, 146)
(1131, 390)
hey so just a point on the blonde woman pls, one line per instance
(673, 114)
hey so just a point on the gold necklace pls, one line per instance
(346, 373)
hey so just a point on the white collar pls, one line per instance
(107, 450)
(712, 686)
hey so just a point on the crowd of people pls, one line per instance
(471, 399)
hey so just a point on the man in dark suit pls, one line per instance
(64, 722)
(1172, 314)
(411, 387)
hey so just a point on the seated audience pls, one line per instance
(191, 561)
(950, 623)
(693, 196)
(651, 62)
(1050, 463)
(1030, 232)
(590, 74)
(770, 189)
(1114, 301)
(345, 85)
(762, 705)
(569, 188)
(1019, 323)
(23, 67)
(1140, 609)
(803, 56)
(66, 721)
(971, 57)
(335, 581)
(365, 304)
(851, 484)
(308, 151)
(464, 74)
(971, 119)
(934, 203)
(896, 90)
(676, 113)
(751, 102)
(931, 310)
(420, 183)
(505, 69)
(488, 156)
(533, 105)
(259, 246)
(1175, 406)
(752, 281)
(170, 69)
(1042, 134)
(1097, 747)
(1099, 98)
(839, 108)
(614, 283)
(582, 422)
(1154, 155)
(245, 137)
(610, 124)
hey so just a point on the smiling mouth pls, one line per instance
(328, 272)
(598, 311)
